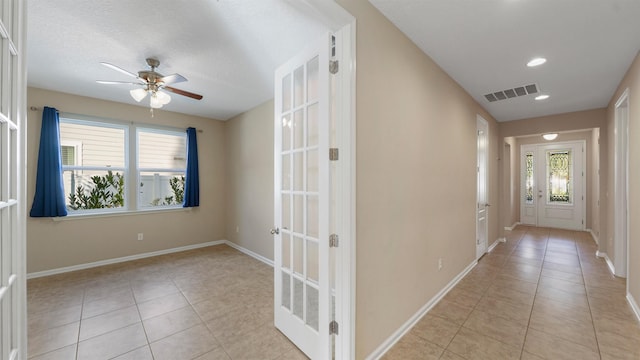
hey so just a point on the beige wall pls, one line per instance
(416, 177)
(582, 125)
(579, 120)
(632, 82)
(54, 244)
(249, 172)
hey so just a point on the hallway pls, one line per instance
(541, 295)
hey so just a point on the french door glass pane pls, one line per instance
(312, 307)
(286, 250)
(298, 296)
(312, 79)
(286, 290)
(298, 86)
(286, 93)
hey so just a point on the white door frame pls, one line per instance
(539, 160)
(343, 26)
(482, 195)
(13, 183)
(621, 186)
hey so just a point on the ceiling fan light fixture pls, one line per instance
(138, 94)
(162, 97)
(155, 102)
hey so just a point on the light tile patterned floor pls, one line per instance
(541, 295)
(207, 304)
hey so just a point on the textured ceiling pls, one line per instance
(227, 49)
(485, 44)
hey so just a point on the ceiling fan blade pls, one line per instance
(109, 82)
(117, 68)
(182, 92)
(172, 79)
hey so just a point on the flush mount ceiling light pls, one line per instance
(536, 62)
(542, 97)
(550, 137)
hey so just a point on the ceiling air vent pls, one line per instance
(511, 93)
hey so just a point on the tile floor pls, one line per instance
(206, 304)
(541, 295)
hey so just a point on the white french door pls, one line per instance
(12, 179)
(301, 198)
(552, 190)
(482, 181)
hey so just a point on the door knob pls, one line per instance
(275, 231)
(487, 205)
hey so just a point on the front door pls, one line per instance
(482, 199)
(301, 198)
(553, 185)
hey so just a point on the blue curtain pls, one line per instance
(48, 200)
(192, 182)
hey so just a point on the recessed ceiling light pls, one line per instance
(536, 61)
(542, 97)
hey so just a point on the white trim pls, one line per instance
(634, 305)
(593, 236)
(249, 252)
(495, 243)
(510, 228)
(610, 265)
(122, 259)
(344, 193)
(413, 320)
(621, 185)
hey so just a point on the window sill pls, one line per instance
(119, 213)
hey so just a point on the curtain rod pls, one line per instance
(33, 108)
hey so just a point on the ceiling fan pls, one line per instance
(152, 83)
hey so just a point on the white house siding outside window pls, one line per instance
(104, 171)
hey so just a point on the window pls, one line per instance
(161, 169)
(104, 171)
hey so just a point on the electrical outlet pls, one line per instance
(439, 264)
(140, 236)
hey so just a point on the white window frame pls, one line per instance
(139, 170)
(130, 170)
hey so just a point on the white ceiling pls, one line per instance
(485, 45)
(228, 50)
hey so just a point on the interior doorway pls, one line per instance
(482, 187)
(553, 185)
(314, 276)
(621, 186)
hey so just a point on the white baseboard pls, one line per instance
(495, 243)
(604, 255)
(593, 236)
(510, 228)
(250, 253)
(398, 334)
(634, 305)
(122, 259)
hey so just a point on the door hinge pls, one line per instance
(333, 154)
(333, 328)
(333, 240)
(334, 65)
